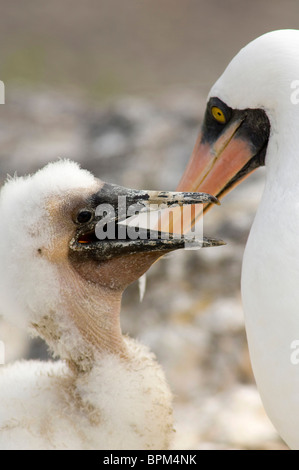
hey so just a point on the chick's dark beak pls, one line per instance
(108, 235)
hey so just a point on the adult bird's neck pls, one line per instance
(282, 159)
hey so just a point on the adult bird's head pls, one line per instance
(66, 259)
(251, 113)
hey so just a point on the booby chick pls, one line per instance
(252, 119)
(61, 281)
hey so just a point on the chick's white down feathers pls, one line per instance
(91, 398)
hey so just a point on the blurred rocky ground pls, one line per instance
(191, 315)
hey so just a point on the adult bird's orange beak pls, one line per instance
(214, 165)
(226, 151)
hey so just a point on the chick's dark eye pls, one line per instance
(84, 216)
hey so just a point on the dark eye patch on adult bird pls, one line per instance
(254, 125)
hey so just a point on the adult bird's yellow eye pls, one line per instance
(218, 115)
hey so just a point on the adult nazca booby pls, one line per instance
(61, 281)
(252, 119)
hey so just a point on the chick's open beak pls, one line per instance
(109, 236)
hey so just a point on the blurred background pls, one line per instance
(120, 86)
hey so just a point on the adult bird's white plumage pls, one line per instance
(58, 279)
(252, 118)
